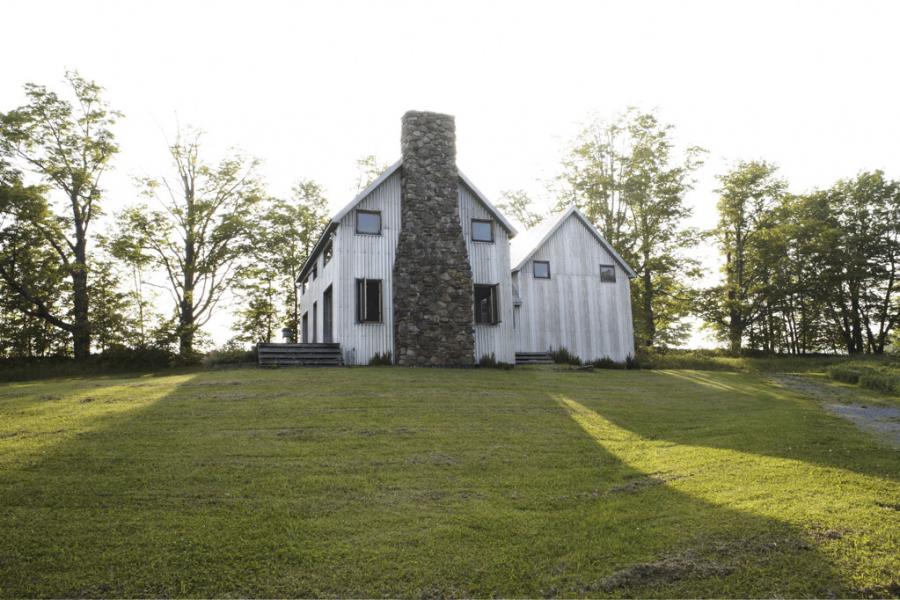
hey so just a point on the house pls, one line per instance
(572, 290)
(418, 266)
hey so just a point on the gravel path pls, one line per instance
(882, 421)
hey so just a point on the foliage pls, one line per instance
(489, 361)
(485, 481)
(198, 230)
(381, 359)
(517, 204)
(69, 145)
(368, 168)
(626, 178)
(883, 377)
(232, 353)
(563, 357)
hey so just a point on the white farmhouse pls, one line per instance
(418, 267)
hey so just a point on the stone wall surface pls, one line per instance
(432, 278)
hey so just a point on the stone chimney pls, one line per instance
(433, 292)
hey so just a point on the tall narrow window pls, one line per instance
(368, 222)
(315, 270)
(541, 269)
(486, 308)
(368, 300)
(482, 231)
(327, 253)
(608, 273)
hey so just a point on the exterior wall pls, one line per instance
(490, 264)
(328, 275)
(574, 309)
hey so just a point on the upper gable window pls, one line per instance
(368, 222)
(608, 273)
(327, 253)
(315, 271)
(482, 230)
(541, 269)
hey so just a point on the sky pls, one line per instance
(310, 87)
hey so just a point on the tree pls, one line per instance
(748, 194)
(70, 146)
(627, 180)
(368, 169)
(517, 204)
(257, 316)
(198, 231)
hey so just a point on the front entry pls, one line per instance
(327, 317)
(315, 332)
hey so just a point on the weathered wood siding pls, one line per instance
(574, 309)
(490, 265)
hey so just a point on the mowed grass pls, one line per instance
(431, 483)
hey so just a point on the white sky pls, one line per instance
(310, 87)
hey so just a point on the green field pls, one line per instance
(433, 483)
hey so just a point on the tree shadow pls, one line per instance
(294, 484)
(743, 413)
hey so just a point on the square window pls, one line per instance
(368, 222)
(368, 300)
(482, 231)
(486, 309)
(541, 269)
(608, 273)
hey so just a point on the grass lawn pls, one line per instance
(431, 483)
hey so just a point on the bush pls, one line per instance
(381, 359)
(607, 363)
(880, 377)
(632, 362)
(844, 373)
(147, 356)
(882, 382)
(564, 357)
(229, 355)
(489, 361)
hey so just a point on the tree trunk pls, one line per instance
(186, 313)
(648, 308)
(81, 331)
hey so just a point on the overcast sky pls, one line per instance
(311, 87)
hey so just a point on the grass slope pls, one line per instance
(428, 483)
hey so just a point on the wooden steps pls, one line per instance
(533, 358)
(300, 355)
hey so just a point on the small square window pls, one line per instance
(482, 231)
(486, 312)
(608, 273)
(368, 222)
(542, 269)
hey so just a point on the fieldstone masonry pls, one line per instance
(433, 292)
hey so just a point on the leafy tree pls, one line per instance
(368, 169)
(257, 317)
(517, 204)
(198, 230)
(627, 179)
(70, 146)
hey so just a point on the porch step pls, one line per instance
(533, 358)
(299, 355)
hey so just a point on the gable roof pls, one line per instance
(524, 246)
(333, 223)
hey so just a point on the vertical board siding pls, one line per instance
(490, 265)
(574, 309)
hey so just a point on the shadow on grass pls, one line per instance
(279, 484)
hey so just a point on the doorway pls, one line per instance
(327, 317)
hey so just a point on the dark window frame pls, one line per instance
(315, 270)
(612, 269)
(360, 211)
(493, 307)
(490, 224)
(362, 307)
(534, 264)
(327, 252)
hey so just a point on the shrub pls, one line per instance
(564, 357)
(229, 355)
(632, 362)
(146, 356)
(607, 363)
(489, 361)
(381, 359)
(844, 373)
(882, 382)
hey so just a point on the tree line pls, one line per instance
(814, 272)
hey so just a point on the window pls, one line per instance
(368, 300)
(486, 312)
(315, 271)
(304, 285)
(482, 231)
(368, 222)
(542, 269)
(327, 253)
(608, 273)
